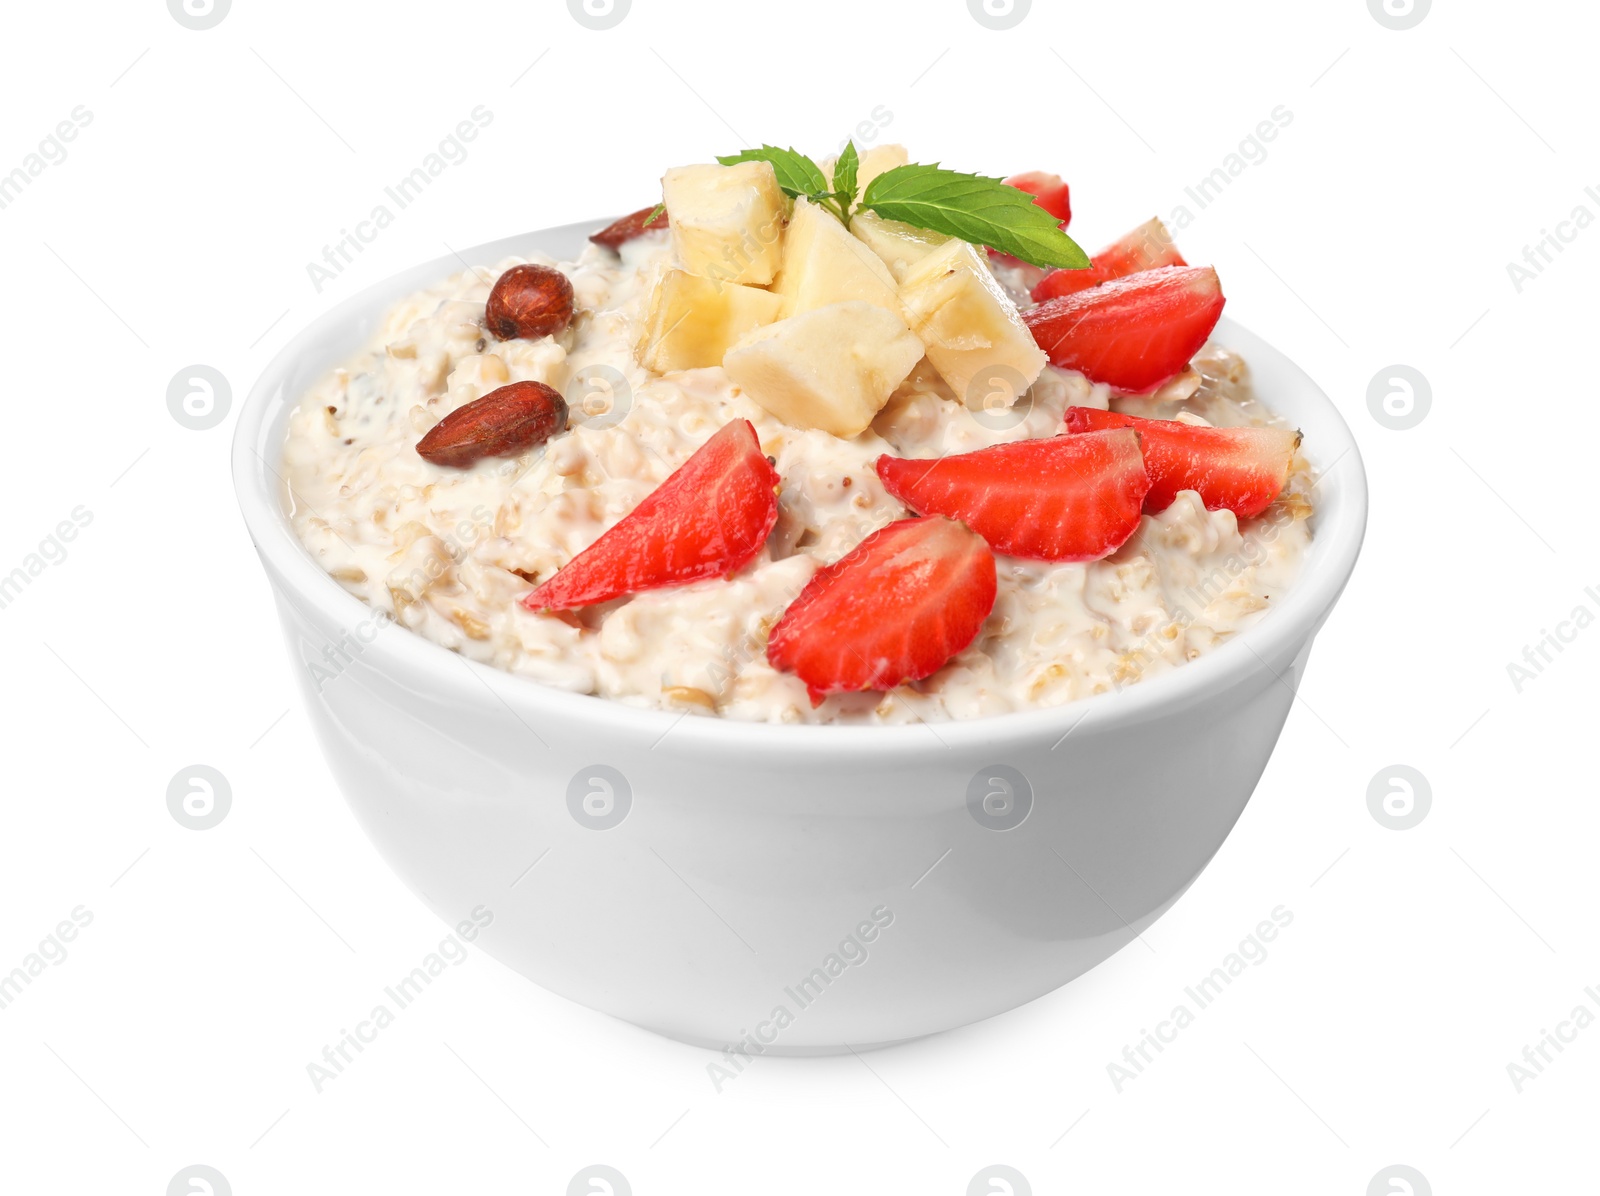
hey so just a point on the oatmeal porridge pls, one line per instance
(886, 372)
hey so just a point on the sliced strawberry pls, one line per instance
(1066, 498)
(1242, 469)
(707, 520)
(636, 224)
(1146, 248)
(1048, 191)
(896, 608)
(1131, 333)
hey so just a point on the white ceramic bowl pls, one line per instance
(839, 874)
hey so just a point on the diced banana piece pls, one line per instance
(823, 264)
(974, 336)
(901, 246)
(832, 368)
(727, 221)
(694, 320)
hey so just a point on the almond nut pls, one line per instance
(529, 302)
(504, 423)
(614, 235)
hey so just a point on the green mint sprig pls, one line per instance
(798, 175)
(973, 207)
(844, 178)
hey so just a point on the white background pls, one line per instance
(1377, 231)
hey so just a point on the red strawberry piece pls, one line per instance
(1048, 191)
(1065, 498)
(1131, 333)
(709, 519)
(1146, 248)
(1242, 469)
(613, 236)
(894, 609)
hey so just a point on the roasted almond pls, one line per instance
(614, 235)
(529, 301)
(504, 423)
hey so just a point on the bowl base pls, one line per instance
(788, 1052)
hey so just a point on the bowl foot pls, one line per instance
(791, 1052)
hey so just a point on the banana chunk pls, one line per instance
(973, 334)
(823, 264)
(727, 221)
(901, 246)
(832, 368)
(693, 321)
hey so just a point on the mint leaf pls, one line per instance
(797, 174)
(975, 208)
(844, 179)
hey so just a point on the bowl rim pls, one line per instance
(1340, 522)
